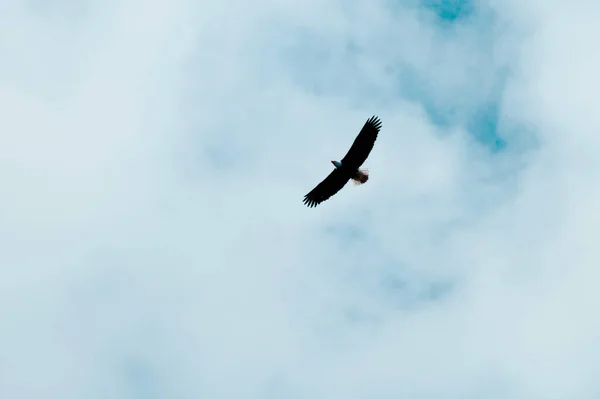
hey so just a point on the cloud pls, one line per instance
(153, 239)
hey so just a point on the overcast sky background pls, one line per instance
(153, 160)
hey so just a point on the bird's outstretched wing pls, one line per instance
(363, 144)
(328, 187)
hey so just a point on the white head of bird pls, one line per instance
(337, 164)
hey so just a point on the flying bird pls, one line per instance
(348, 167)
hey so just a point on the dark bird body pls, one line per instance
(348, 167)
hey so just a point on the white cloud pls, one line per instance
(153, 239)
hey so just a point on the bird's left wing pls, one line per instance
(363, 143)
(328, 187)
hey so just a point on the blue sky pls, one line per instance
(154, 157)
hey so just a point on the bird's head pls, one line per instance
(337, 164)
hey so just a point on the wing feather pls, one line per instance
(363, 144)
(328, 187)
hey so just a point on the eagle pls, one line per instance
(348, 167)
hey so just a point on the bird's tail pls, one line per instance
(361, 176)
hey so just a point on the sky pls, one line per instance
(154, 157)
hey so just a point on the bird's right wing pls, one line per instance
(363, 143)
(328, 187)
